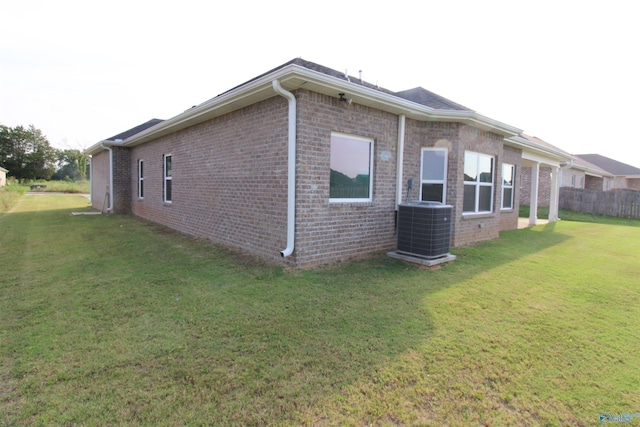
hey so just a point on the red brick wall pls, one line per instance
(458, 138)
(544, 186)
(328, 232)
(229, 179)
(122, 172)
(593, 183)
(472, 228)
(509, 218)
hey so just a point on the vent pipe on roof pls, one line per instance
(291, 169)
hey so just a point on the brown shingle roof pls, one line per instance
(418, 95)
(134, 130)
(612, 166)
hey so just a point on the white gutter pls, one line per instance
(291, 170)
(106, 147)
(400, 154)
(295, 76)
(538, 149)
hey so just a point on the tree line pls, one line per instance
(28, 155)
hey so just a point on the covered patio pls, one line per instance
(542, 163)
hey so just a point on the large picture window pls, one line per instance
(433, 175)
(351, 168)
(141, 179)
(508, 176)
(167, 178)
(478, 183)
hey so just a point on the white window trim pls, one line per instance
(371, 162)
(433, 181)
(141, 179)
(512, 187)
(166, 178)
(477, 184)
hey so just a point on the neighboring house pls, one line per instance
(624, 176)
(3, 176)
(304, 165)
(582, 174)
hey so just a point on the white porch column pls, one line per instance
(533, 203)
(555, 194)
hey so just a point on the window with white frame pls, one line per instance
(140, 179)
(508, 176)
(351, 168)
(433, 174)
(478, 183)
(167, 178)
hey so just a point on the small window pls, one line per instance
(167, 178)
(508, 175)
(351, 169)
(573, 181)
(433, 175)
(140, 179)
(478, 183)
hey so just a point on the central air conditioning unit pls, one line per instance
(424, 229)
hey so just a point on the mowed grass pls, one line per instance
(9, 196)
(110, 320)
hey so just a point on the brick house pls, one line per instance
(583, 174)
(304, 165)
(622, 175)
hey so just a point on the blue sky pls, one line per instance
(564, 71)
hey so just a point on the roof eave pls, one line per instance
(95, 148)
(293, 77)
(518, 141)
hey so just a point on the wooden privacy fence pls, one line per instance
(620, 203)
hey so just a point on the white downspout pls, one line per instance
(291, 170)
(106, 147)
(400, 154)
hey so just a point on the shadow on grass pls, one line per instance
(131, 323)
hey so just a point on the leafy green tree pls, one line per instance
(26, 153)
(72, 165)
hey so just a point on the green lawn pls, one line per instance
(109, 320)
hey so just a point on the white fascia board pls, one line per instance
(592, 172)
(389, 102)
(538, 153)
(294, 77)
(97, 147)
(586, 172)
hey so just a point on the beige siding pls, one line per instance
(100, 180)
